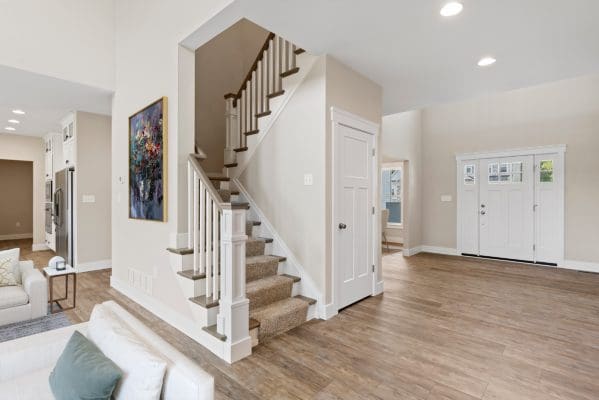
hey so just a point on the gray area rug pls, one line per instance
(38, 325)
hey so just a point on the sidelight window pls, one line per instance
(469, 174)
(546, 171)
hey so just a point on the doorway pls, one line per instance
(511, 205)
(354, 208)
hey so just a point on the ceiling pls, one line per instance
(421, 58)
(45, 100)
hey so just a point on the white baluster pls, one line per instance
(259, 88)
(202, 214)
(216, 244)
(190, 203)
(208, 247)
(196, 222)
(293, 57)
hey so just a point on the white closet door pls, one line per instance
(468, 187)
(548, 209)
(506, 208)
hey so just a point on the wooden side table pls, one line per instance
(52, 273)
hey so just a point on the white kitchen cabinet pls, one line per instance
(69, 137)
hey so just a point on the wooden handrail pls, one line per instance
(248, 76)
(195, 163)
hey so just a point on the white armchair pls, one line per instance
(26, 301)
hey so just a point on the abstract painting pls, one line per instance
(147, 162)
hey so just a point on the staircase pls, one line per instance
(239, 292)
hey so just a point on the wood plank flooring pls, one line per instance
(446, 328)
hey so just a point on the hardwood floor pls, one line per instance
(446, 328)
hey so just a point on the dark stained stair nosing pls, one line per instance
(266, 240)
(299, 50)
(182, 251)
(290, 72)
(275, 94)
(254, 323)
(220, 178)
(212, 330)
(240, 149)
(252, 132)
(189, 274)
(263, 114)
(202, 301)
(281, 258)
(240, 204)
(308, 300)
(232, 165)
(295, 278)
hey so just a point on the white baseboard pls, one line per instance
(412, 251)
(16, 236)
(180, 322)
(378, 288)
(327, 311)
(39, 247)
(94, 265)
(439, 250)
(580, 266)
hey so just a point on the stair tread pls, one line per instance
(290, 72)
(261, 259)
(295, 278)
(277, 309)
(254, 323)
(190, 274)
(263, 114)
(202, 301)
(181, 251)
(256, 223)
(240, 204)
(231, 165)
(275, 94)
(252, 132)
(266, 283)
(212, 330)
(309, 300)
(217, 177)
(239, 149)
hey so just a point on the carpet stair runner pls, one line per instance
(273, 309)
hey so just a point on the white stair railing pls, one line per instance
(276, 59)
(217, 237)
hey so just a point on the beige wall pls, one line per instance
(565, 112)
(16, 201)
(29, 148)
(221, 66)
(148, 62)
(349, 91)
(294, 146)
(402, 141)
(93, 178)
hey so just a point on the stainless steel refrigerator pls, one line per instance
(63, 213)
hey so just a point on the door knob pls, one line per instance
(482, 206)
(342, 225)
(483, 212)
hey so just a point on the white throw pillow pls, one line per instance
(14, 255)
(7, 278)
(143, 369)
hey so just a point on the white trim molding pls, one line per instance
(39, 247)
(408, 252)
(558, 148)
(439, 250)
(94, 265)
(585, 266)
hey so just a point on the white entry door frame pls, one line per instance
(345, 125)
(548, 204)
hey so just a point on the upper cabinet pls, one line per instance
(69, 137)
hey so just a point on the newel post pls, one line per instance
(233, 317)
(231, 128)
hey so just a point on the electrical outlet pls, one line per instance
(308, 180)
(446, 198)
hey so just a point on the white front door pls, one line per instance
(506, 208)
(353, 214)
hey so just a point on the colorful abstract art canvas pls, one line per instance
(147, 162)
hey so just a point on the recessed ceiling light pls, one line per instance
(486, 61)
(9, 128)
(452, 8)
(17, 111)
(13, 121)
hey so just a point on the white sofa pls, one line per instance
(26, 363)
(29, 301)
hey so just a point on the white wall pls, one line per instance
(28, 148)
(147, 65)
(67, 39)
(402, 141)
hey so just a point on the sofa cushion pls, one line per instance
(33, 385)
(12, 296)
(14, 255)
(7, 276)
(83, 372)
(143, 369)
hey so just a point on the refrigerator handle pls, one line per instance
(57, 201)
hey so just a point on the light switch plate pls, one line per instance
(308, 180)
(88, 198)
(446, 198)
